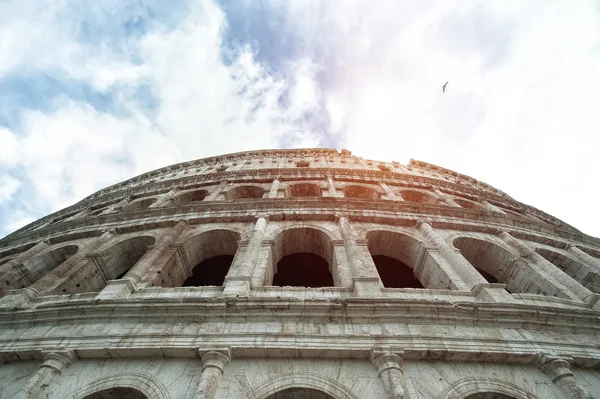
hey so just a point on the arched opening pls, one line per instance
(34, 269)
(140, 204)
(395, 256)
(302, 190)
(417, 196)
(303, 258)
(361, 192)
(117, 393)
(190, 197)
(121, 257)
(64, 217)
(210, 254)
(574, 268)
(299, 393)
(500, 265)
(489, 395)
(468, 204)
(242, 192)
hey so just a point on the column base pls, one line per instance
(117, 289)
(492, 293)
(237, 286)
(593, 302)
(366, 286)
(18, 298)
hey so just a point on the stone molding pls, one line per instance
(472, 385)
(143, 383)
(314, 381)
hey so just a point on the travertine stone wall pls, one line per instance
(92, 298)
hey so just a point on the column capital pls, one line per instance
(554, 366)
(384, 360)
(215, 358)
(58, 359)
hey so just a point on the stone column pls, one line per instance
(274, 188)
(390, 194)
(120, 288)
(559, 370)
(365, 278)
(239, 279)
(212, 196)
(492, 207)
(115, 207)
(164, 200)
(389, 368)
(584, 256)
(213, 364)
(446, 198)
(467, 273)
(54, 363)
(548, 270)
(331, 187)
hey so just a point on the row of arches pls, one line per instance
(292, 190)
(300, 257)
(288, 393)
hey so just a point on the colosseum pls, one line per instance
(304, 274)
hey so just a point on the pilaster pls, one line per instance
(238, 281)
(365, 278)
(469, 277)
(54, 363)
(389, 193)
(558, 369)
(446, 198)
(547, 270)
(389, 368)
(213, 364)
(274, 188)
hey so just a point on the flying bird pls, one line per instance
(444, 87)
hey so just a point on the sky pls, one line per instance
(96, 92)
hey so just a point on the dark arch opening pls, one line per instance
(140, 204)
(489, 395)
(299, 393)
(361, 192)
(242, 192)
(211, 254)
(121, 257)
(303, 269)
(417, 196)
(395, 256)
(303, 258)
(190, 197)
(117, 393)
(305, 190)
(212, 271)
(394, 273)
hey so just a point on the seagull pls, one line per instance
(444, 87)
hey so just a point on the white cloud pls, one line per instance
(8, 186)
(520, 108)
(519, 112)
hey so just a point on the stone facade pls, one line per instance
(399, 281)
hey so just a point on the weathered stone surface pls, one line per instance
(162, 286)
